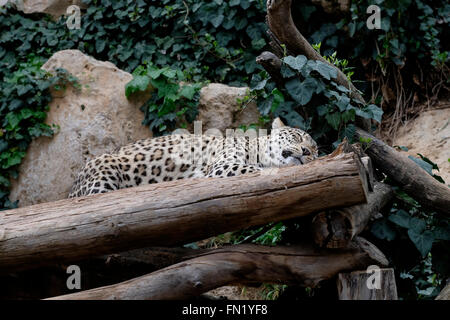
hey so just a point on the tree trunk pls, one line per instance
(176, 212)
(362, 285)
(281, 25)
(413, 179)
(336, 228)
(303, 264)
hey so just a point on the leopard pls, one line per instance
(183, 155)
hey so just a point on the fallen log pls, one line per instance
(336, 228)
(173, 213)
(413, 179)
(304, 265)
(50, 281)
(358, 285)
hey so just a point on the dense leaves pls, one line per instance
(24, 100)
(311, 100)
(214, 40)
(170, 101)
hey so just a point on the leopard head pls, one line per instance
(290, 146)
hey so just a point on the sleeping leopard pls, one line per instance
(184, 155)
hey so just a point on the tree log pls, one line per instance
(247, 264)
(50, 281)
(413, 179)
(354, 285)
(336, 228)
(176, 212)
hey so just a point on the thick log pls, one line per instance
(413, 179)
(336, 228)
(304, 265)
(358, 285)
(101, 271)
(174, 212)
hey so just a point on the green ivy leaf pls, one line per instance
(295, 63)
(4, 182)
(401, 218)
(327, 71)
(287, 72)
(13, 119)
(334, 120)
(139, 83)
(382, 230)
(377, 112)
(217, 21)
(424, 165)
(301, 91)
(188, 92)
(422, 240)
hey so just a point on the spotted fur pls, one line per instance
(183, 156)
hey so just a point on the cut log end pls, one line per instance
(377, 284)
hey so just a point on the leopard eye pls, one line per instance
(305, 151)
(286, 153)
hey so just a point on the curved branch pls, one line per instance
(302, 264)
(281, 24)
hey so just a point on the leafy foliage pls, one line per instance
(170, 100)
(426, 266)
(24, 99)
(215, 40)
(311, 100)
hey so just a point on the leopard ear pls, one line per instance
(277, 124)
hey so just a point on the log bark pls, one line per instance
(247, 264)
(336, 228)
(173, 213)
(281, 25)
(354, 286)
(96, 272)
(413, 179)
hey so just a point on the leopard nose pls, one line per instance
(286, 153)
(305, 151)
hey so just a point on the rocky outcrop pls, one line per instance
(429, 135)
(55, 8)
(219, 107)
(93, 120)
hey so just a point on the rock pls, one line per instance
(445, 293)
(93, 121)
(219, 108)
(55, 8)
(429, 135)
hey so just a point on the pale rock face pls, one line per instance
(93, 121)
(219, 107)
(429, 135)
(55, 8)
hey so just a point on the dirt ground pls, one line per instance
(429, 135)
